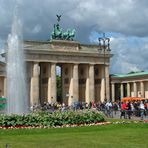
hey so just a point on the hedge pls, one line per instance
(51, 119)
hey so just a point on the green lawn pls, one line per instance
(106, 136)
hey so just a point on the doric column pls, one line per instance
(91, 83)
(71, 98)
(87, 99)
(107, 82)
(34, 90)
(122, 91)
(53, 84)
(49, 84)
(75, 83)
(102, 94)
(113, 92)
(90, 88)
(135, 89)
(5, 87)
(142, 89)
(128, 90)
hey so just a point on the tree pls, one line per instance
(59, 88)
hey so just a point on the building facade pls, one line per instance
(84, 72)
(129, 85)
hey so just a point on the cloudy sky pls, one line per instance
(125, 22)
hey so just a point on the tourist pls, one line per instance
(108, 106)
(123, 110)
(136, 108)
(63, 106)
(86, 105)
(90, 105)
(115, 107)
(146, 107)
(142, 109)
(129, 109)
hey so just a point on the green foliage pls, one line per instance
(59, 88)
(2, 104)
(51, 119)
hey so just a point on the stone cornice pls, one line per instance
(67, 48)
(64, 51)
(64, 46)
(64, 59)
(129, 79)
(71, 53)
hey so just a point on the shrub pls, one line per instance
(51, 119)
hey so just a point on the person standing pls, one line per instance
(108, 106)
(115, 107)
(142, 108)
(129, 109)
(123, 109)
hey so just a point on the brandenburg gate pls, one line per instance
(82, 71)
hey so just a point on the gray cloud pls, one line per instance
(128, 17)
(130, 54)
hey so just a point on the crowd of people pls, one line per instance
(125, 110)
(136, 108)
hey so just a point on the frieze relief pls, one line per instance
(64, 59)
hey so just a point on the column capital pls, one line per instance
(76, 63)
(91, 64)
(106, 65)
(113, 83)
(53, 63)
(36, 62)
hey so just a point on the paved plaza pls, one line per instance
(118, 113)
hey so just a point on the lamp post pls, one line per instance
(104, 44)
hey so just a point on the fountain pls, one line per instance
(17, 102)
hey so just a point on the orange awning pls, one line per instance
(132, 99)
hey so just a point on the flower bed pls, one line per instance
(129, 122)
(52, 119)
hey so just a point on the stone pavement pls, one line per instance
(117, 116)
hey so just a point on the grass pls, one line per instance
(120, 120)
(112, 136)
